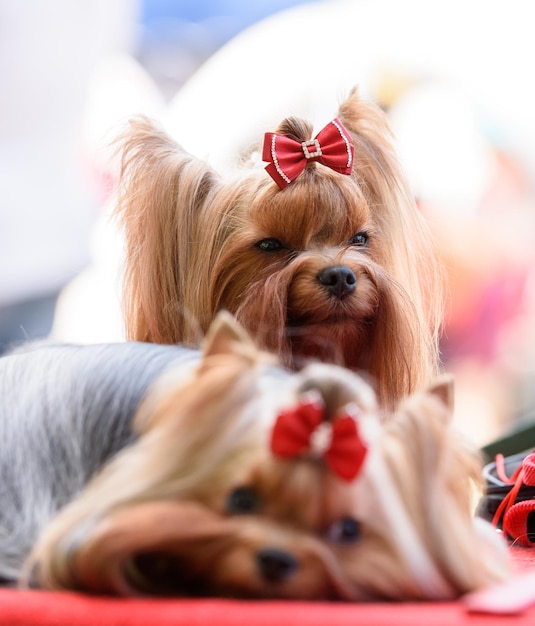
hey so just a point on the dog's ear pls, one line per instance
(372, 138)
(226, 336)
(443, 388)
(436, 472)
(404, 246)
(162, 191)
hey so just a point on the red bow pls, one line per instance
(293, 432)
(288, 158)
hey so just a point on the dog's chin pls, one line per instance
(338, 335)
(330, 317)
(162, 574)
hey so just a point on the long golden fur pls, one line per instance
(198, 243)
(199, 505)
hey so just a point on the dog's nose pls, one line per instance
(276, 565)
(339, 280)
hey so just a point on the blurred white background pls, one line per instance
(69, 71)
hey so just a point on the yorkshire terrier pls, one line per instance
(135, 468)
(324, 255)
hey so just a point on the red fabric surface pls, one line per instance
(41, 608)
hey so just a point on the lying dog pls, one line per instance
(144, 469)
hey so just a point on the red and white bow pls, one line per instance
(288, 158)
(294, 429)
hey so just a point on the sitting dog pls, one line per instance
(136, 468)
(325, 255)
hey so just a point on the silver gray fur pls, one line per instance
(64, 411)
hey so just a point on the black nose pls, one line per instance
(339, 280)
(275, 565)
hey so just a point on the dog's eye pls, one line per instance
(345, 530)
(242, 501)
(360, 239)
(269, 245)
